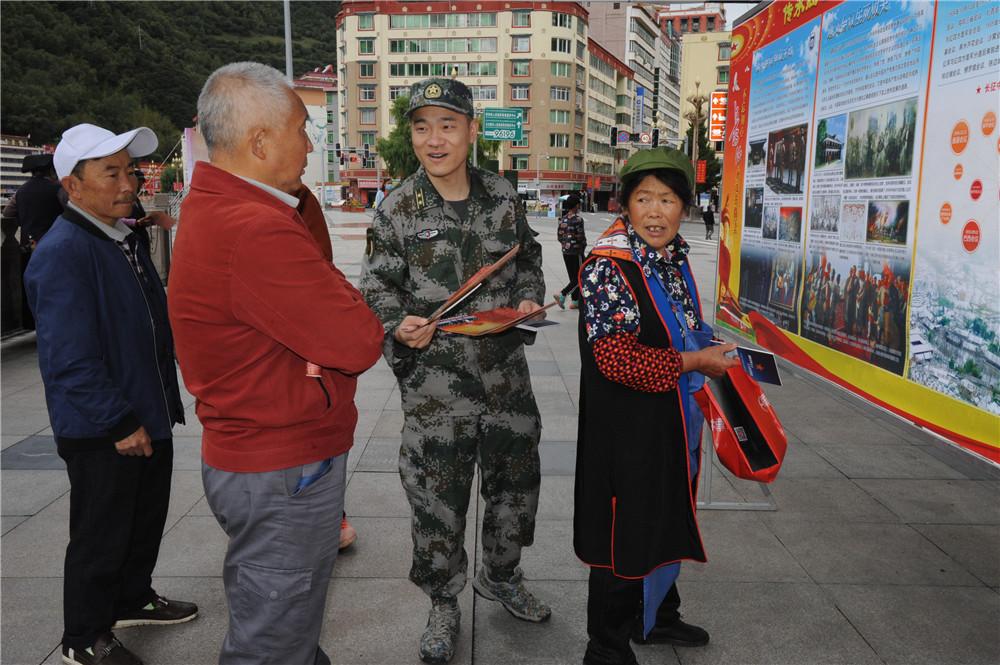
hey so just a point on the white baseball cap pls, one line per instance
(92, 142)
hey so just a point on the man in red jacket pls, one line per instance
(270, 337)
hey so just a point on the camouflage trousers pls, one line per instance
(436, 465)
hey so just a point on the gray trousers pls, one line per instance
(282, 545)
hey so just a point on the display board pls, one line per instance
(860, 203)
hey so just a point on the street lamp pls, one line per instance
(698, 101)
(538, 168)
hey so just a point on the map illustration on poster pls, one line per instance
(860, 203)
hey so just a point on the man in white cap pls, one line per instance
(106, 356)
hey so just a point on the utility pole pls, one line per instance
(697, 100)
(288, 40)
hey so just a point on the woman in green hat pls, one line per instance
(645, 350)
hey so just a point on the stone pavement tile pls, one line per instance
(24, 415)
(551, 557)
(858, 461)
(913, 625)
(191, 427)
(825, 500)
(869, 554)
(8, 440)
(194, 547)
(769, 623)
(975, 547)
(366, 424)
(538, 351)
(27, 492)
(34, 452)
(543, 368)
(37, 547)
(839, 427)
(559, 426)
(187, 453)
(379, 622)
(389, 425)
(200, 509)
(971, 467)
(381, 455)
(558, 458)
(555, 498)
(555, 403)
(373, 399)
(194, 643)
(9, 522)
(376, 378)
(741, 548)
(547, 384)
(937, 501)
(803, 461)
(32, 619)
(395, 402)
(376, 495)
(186, 490)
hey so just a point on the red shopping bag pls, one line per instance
(747, 434)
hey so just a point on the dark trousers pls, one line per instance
(614, 609)
(572, 269)
(117, 509)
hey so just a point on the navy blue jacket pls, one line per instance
(104, 343)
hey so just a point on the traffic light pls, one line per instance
(366, 152)
(656, 137)
(340, 153)
(614, 136)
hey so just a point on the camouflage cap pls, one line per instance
(443, 92)
(658, 158)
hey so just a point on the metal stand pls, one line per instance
(705, 484)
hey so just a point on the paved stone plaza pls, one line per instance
(884, 547)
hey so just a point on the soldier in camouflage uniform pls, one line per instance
(465, 399)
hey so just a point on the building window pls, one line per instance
(397, 90)
(561, 45)
(483, 92)
(369, 138)
(520, 92)
(725, 51)
(558, 117)
(474, 20)
(581, 50)
(520, 43)
(562, 20)
(723, 75)
(560, 68)
(366, 93)
(526, 115)
(522, 18)
(523, 143)
(367, 70)
(559, 93)
(578, 141)
(558, 140)
(368, 116)
(520, 68)
(696, 25)
(366, 46)
(519, 162)
(558, 163)
(578, 164)
(684, 25)
(366, 21)
(711, 23)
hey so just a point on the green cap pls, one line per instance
(447, 93)
(657, 158)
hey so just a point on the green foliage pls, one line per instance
(979, 327)
(122, 64)
(397, 148)
(970, 367)
(713, 167)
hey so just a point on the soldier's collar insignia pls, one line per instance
(420, 198)
(433, 91)
(428, 234)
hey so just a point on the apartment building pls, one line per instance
(13, 150)
(684, 17)
(318, 90)
(531, 55)
(705, 61)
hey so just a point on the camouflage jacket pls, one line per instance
(418, 253)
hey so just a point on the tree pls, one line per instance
(713, 168)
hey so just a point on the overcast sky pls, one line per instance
(734, 10)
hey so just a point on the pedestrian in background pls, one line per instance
(708, 216)
(271, 337)
(573, 241)
(106, 357)
(465, 400)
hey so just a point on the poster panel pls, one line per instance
(860, 208)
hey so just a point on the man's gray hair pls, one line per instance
(238, 97)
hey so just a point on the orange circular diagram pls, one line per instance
(958, 172)
(976, 190)
(945, 212)
(959, 137)
(970, 236)
(989, 123)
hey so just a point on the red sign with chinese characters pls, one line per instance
(700, 170)
(717, 116)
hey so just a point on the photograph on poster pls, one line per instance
(769, 228)
(857, 305)
(880, 141)
(754, 207)
(887, 222)
(824, 213)
(790, 224)
(768, 282)
(756, 153)
(853, 221)
(829, 148)
(786, 160)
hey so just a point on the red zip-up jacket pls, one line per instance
(252, 299)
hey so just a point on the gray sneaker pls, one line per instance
(513, 596)
(437, 645)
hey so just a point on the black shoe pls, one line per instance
(159, 612)
(107, 650)
(678, 633)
